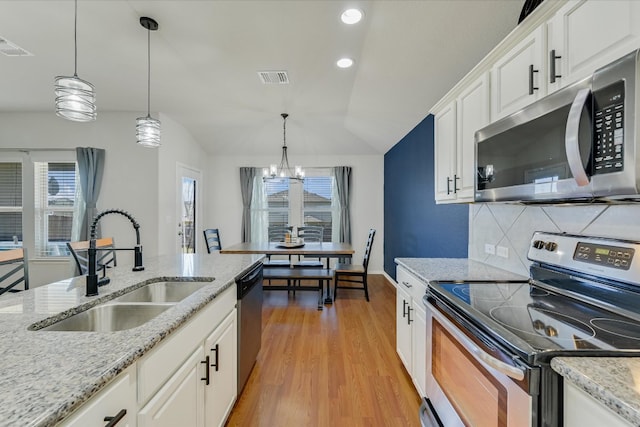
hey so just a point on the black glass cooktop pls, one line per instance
(537, 322)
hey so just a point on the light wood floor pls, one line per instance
(336, 367)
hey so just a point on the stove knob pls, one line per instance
(551, 246)
(538, 244)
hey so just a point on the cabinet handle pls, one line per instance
(215, 364)
(531, 86)
(552, 66)
(404, 308)
(455, 183)
(448, 187)
(207, 375)
(407, 284)
(409, 319)
(115, 420)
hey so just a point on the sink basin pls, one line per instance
(109, 318)
(162, 292)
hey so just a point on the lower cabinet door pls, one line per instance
(419, 347)
(117, 402)
(403, 327)
(180, 401)
(222, 349)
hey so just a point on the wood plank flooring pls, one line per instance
(336, 367)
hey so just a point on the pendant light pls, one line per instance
(283, 171)
(148, 128)
(75, 98)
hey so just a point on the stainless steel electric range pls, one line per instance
(491, 343)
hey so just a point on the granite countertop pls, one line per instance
(48, 374)
(613, 381)
(455, 269)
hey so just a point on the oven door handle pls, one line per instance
(509, 370)
(572, 139)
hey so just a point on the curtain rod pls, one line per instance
(29, 150)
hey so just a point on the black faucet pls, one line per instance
(92, 277)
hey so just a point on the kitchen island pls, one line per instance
(49, 374)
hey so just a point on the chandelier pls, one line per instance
(283, 171)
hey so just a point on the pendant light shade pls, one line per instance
(148, 128)
(75, 98)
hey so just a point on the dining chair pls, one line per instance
(310, 233)
(14, 270)
(212, 239)
(105, 258)
(354, 273)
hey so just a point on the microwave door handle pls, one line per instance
(571, 140)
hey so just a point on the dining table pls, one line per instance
(326, 250)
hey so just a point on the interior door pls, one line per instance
(187, 208)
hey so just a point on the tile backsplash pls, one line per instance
(511, 226)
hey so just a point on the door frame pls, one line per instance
(183, 170)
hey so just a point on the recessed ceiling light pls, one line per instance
(344, 62)
(351, 16)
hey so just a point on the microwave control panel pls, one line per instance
(608, 150)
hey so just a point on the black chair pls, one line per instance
(14, 270)
(105, 258)
(278, 233)
(354, 273)
(212, 239)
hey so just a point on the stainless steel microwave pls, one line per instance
(579, 143)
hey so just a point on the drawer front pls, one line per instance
(410, 283)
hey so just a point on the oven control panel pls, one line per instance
(610, 256)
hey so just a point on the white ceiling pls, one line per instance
(205, 56)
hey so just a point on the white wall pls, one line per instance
(178, 147)
(225, 201)
(512, 226)
(136, 179)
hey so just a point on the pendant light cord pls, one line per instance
(75, 40)
(148, 72)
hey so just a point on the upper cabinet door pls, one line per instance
(518, 77)
(473, 115)
(585, 35)
(445, 153)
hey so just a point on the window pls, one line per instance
(10, 205)
(55, 192)
(278, 203)
(40, 186)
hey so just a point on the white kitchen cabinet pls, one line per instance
(178, 382)
(180, 401)
(222, 350)
(445, 153)
(586, 35)
(580, 409)
(455, 128)
(117, 399)
(518, 77)
(411, 329)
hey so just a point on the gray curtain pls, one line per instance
(246, 187)
(90, 170)
(343, 183)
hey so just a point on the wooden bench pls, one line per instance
(294, 274)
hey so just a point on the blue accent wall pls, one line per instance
(414, 226)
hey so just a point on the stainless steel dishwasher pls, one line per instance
(249, 322)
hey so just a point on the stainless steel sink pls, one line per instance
(109, 318)
(162, 292)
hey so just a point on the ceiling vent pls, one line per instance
(274, 77)
(9, 49)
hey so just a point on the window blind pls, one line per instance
(10, 205)
(317, 203)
